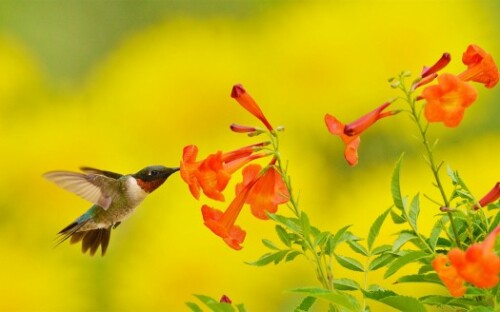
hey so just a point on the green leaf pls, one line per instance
(375, 229)
(321, 239)
(420, 278)
(345, 284)
(381, 261)
(269, 244)
(292, 255)
(376, 293)
(404, 303)
(494, 222)
(306, 304)
(206, 299)
(395, 185)
(241, 307)
(437, 300)
(480, 309)
(264, 260)
(410, 257)
(381, 249)
(436, 231)
(306, 226)
(283, 235)
(426, 268)
(221, 307)
(396, 218)
(279, 256)
(349, 263)
(290, 223)
(357, 247)
(402, 239)
(334, 240)
(414, 212)
(335, 297)
(212, 304)
(194, 307)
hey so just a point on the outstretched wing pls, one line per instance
(96, 188)
(108, 174)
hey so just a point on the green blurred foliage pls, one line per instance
(124, 84)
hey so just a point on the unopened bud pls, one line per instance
(225, 299)
(440, 64)
(242, 129)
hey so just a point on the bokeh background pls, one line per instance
(124, 84)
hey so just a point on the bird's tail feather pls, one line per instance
(91, 239)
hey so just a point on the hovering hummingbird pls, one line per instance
(115, 197)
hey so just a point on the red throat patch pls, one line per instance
(149, 187)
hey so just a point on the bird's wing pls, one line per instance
(108, 174)
(96, 188)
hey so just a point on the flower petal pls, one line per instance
(446, 102)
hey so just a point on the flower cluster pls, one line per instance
(446, 102)
(478, 265)
(262, 188)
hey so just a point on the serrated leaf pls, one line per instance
(321, 239)
(376, 293)
(263, 260)
(375, 229)
(292, 255)
(395, 185)
(206, 299)
(437, 300)
(404, 303)
(283, 235)
(414, 212)
(381, 261)
(443, 242)
(345, 284)
(193, 306)
(381, 249)
(357, 247)
(402, 239)
(426, 268)
(494, 222)
(279, 256)
(306, 304)
(410, 257)
(432, 278)
(269, 244)
(349, 263)
(396, 218)
(335, 297)
(334, 240)
(290, 223)
(436, 231)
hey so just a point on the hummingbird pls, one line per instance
(115, 197)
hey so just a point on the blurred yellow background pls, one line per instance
(120, 85)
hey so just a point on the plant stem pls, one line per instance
(324, 273)
(430, 157)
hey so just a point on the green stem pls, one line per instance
(324, 273)
(430, 157)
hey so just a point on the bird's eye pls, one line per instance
(153, 173)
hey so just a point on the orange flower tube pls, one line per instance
(481, 67)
